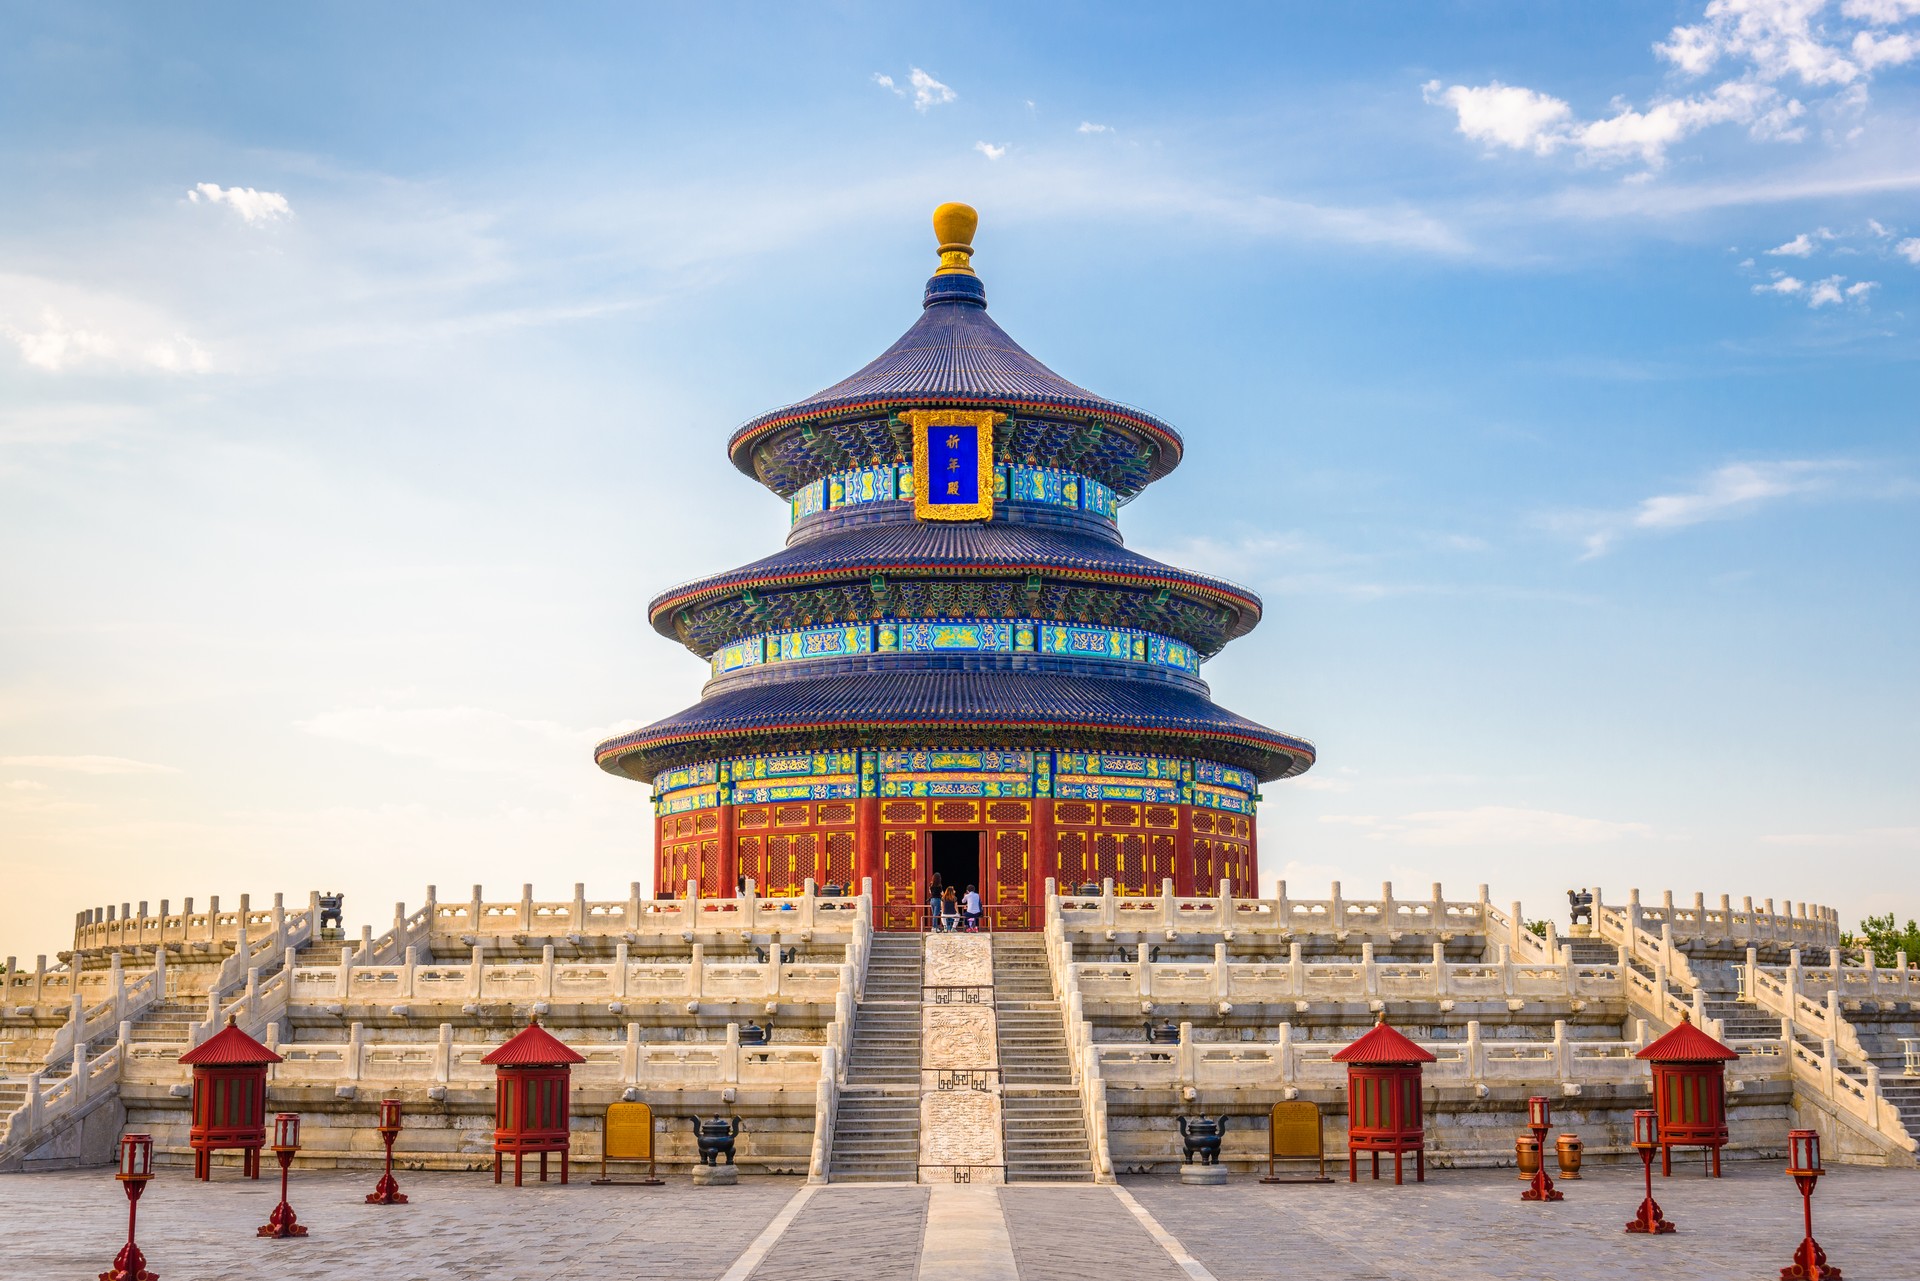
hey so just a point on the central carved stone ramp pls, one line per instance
(876, 1127)
(1044, 1128)
(169, 1021)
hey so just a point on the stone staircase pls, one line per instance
(168, 1021)
(1043, 1122)
(876, 1127)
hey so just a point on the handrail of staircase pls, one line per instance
(49, 1103)
(1079, 1033)
(127, 999)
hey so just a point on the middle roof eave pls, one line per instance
(993, 549)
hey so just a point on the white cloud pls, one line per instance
(1492, 825)
(990, 151)
(88, 764)
(1910, 250)
(1737, 489)
(57, 327)
(1826, 292)
(1874, 225)
(1510, 116)
(1781, 285)
(1087, 126)
(928, 92)
(1761, 44)
(1861, 288)
(886, 82)
(1802, 245)
(252, 206)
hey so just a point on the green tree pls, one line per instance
(1887, 940)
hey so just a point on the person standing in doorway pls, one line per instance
(933, 903)
(949, 910)
(972, 905)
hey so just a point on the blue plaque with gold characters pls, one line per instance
(953, 456)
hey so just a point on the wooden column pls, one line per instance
(866, 844)
(1183, 853)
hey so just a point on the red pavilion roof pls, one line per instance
(1686, 1044)
(1381, 1044)
(533, 1046)
(229, 1047)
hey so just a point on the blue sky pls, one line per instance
(1549, 369)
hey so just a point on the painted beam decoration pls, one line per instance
(1039, 486)
(959, 635)
(953, 459)
(938, 773)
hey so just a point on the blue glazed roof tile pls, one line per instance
(979, 548)
(956, 354)
(949, 701)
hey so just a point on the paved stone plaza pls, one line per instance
(1473, 1224)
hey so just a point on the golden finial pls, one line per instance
(953, 227)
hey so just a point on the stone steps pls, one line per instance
(876, 1138)
(1043, 1132)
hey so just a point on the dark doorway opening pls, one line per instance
(956, 860)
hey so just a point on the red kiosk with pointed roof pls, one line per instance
(229, 1099)
(1383, 1100)
(1689, 1092)
(532, 1092)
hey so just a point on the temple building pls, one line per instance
(956, 667)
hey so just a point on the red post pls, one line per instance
(1803, 1163)
(286, 1141)
(387, 1191)
(1646, 1137)
(1540, 1120)
(136, 1167)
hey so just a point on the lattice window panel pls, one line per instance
(899, 879)
(835, 813)
(1202, 820)
(956, 811)
(750, 859)
(1078, 813)
(1204, 875)
(751, 816)
(791, 816)
(1070, 850)
(1164, 817)
(710, 868)
(1106, 856)
(1120, 815)
(904, 812)
(1009, 812)
(839, 862)
(681, 826)
(706, 823)
(1160, 851)
(1133, 862)
(1010, 866)
(779, 865)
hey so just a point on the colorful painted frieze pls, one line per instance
(894, 483)
(691, 798)
(1224, 776)
(820, 642)
(829, 789)
(673, 780)
(750, 652)
(971, 636)
(1221, 798)
(793, 765)
(1080, 788)
(1109, 763)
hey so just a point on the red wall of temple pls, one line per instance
(839, 842)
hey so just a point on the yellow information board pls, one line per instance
(627, 1135)
(1294, 1133)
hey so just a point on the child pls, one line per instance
(973, 908)
(949, 910)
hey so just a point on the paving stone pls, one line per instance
(1072, 1234)
(846, 1232)
(1473, 1223)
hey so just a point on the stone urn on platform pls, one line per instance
(715, 1139)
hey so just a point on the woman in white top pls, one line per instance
(972, 906)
